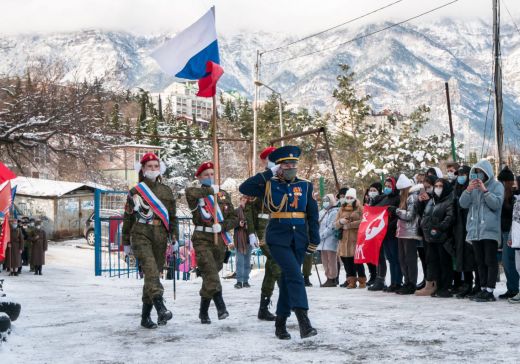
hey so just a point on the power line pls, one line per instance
(364, 35)
(512, 19)
(332, 28)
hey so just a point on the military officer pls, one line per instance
(210, 256)
(257, 219)
(292, 232)
(149, 223)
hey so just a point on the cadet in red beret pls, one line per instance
(210, 256)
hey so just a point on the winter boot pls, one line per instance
(263, 312)
(163, 314)
(421, 285)
(146, 320)
(362, 282)
(344, 284)
(351, 282)
(203, 312)
(238, 285)
(220, 305)
(406, 289)
(307, 281)
(428, 290)
(371, 281)
(474, 292)
(306, 329)
(507, 295)
(515, 299)
(378, 285)
(485, 296)
(442, 293)
(280, 328)
(464, 291)
(329, 283)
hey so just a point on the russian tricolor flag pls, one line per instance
(193, 55)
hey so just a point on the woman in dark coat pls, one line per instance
(437, 227)
(464, 256)
(38, 249)
(13, 253)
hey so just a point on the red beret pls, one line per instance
(265, 153)
(149, 157)
(203, 167)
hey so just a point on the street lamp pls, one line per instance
(260, 84)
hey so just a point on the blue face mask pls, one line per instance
(387, 191)
(461, 180)
(206, 181)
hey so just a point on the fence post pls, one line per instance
(97, 232)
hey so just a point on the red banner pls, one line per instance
(5, 204)
(372, 231)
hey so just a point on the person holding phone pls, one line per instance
(484, 197)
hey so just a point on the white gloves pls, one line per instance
(253, 241)
(342, 221)
(215, 188)
(201, 202)
(217, 228)
(275, 169)
(128, 249)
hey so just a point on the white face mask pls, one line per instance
(451, 176)
(342, 200)
(350, 201)
(438, 191)
(152, 175)
(372, 194)
(326, 204)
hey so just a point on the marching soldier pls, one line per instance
(38, 248)
(149, 224)
(13, 252)
(258, 217)
(210, 256)
(292, 232)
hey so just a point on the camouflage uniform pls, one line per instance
(210, 257)
(149, 240)
(257, 224)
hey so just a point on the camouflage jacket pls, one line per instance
(256, 224)
(193, 194)
(163, 193)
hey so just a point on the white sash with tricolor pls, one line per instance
(155, 204)
(206, 210)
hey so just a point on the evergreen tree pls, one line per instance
(115, 117)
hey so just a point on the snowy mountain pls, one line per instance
(400, 68)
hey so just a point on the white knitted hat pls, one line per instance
(403, 182)
(351, 193)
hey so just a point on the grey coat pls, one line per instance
(484, 208)
(328, 237)
(408, 223)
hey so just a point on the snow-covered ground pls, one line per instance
(71, 316)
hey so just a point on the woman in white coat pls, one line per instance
(329, 241)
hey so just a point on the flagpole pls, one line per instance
(216, 166)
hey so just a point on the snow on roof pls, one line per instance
(46, 187)
(136, 145)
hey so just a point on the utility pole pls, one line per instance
(497, 76)
(255, 108)
(453, 153)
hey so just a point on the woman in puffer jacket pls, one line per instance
(407, 232)
(437, 227)
(348, 219)
(329, 242)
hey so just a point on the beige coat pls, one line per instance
(39, 247)
(13, 255)
(347, 245)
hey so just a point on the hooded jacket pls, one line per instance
(407, 225)
(484, 208)
(392, 202)
(437, 221)
(327, 220)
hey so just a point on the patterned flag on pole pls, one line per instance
(5, 205)
(371, 233)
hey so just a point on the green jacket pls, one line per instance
(193, 194)
(163, 193)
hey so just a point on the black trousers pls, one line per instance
(421, 251)
(353, 270)
(372, 269)
(486, 257)
(440, 267)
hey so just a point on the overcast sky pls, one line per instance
(289, 16)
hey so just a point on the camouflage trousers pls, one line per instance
(307, 265)
(149, 247)
(210, 259)
(272, 272)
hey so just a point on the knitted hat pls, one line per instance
(506, 175)
(342, 191)
(351, 193)
(332, 199)
(403, 182)
(435, 170)
(378, 186)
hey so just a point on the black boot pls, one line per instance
(263, 312)
(280, 328)
(204, 308)
(146, 320)
(306, 330)
(307, 281)
(163, 314)
(378, 285)
(221, 306)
